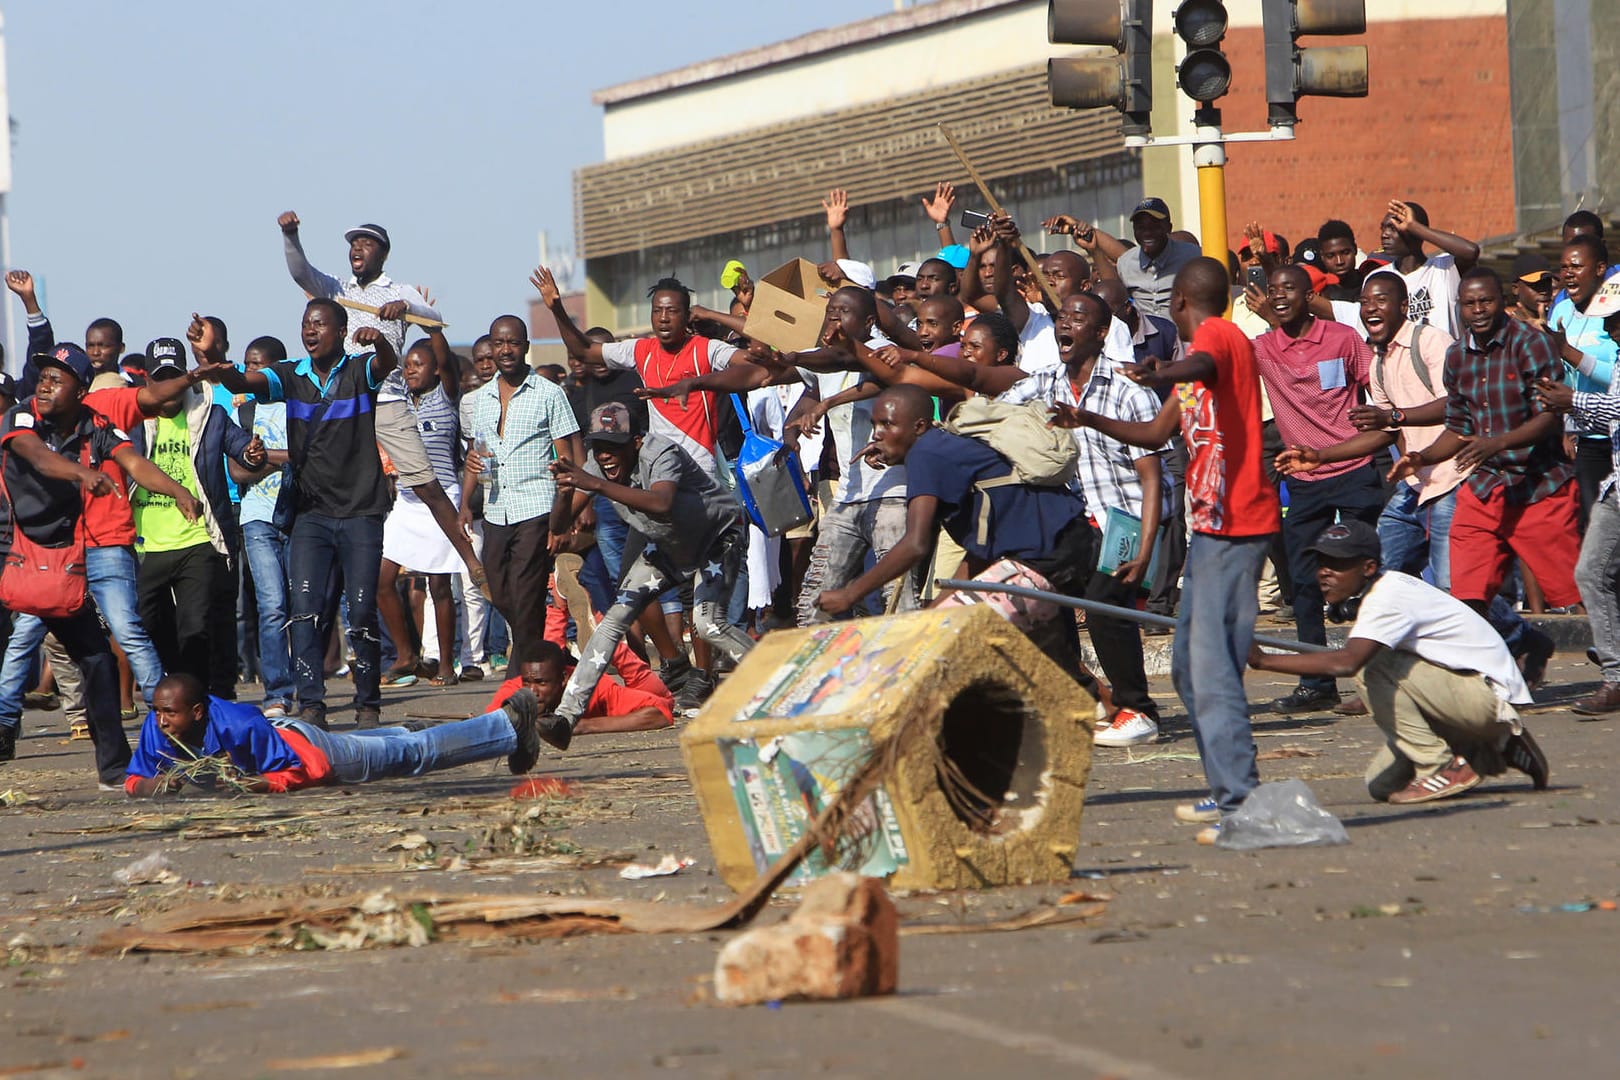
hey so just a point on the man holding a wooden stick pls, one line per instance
(376, 300)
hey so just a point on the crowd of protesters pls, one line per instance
(1397, 437)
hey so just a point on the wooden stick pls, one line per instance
(414, 320)
(1030, 261)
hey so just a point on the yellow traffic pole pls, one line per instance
(1209, 155)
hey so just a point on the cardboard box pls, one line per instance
(991, 747)
(790, 305)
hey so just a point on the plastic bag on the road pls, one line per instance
(1283, 814)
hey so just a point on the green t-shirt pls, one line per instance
(159, 524)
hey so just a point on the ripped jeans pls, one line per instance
(320, 548)
(642, 581)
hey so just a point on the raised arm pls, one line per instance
(731, 322)
(383, 357)
(589, 352)
(1086, 237)
(938, 210)
(836, 204)
(212, 366)
(312, 281)
(1466, 252)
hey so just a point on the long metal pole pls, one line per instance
(1146, 618)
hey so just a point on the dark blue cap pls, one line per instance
(1153, 205)
(71, 359)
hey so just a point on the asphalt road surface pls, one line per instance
(1473, 937)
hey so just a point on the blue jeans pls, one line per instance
(110, 572)
(395, 751)
(1214, 630)
(265, 548)
(1414, 537)
(319, 547)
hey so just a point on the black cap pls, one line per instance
(1153, 206)
(1349, 540)
(8, 386)
(165, 358)
(1532, 268)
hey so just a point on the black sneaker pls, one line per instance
(8, 744)
(314, 716)
(556, 730)
(523, 709)
(1524, 753)
(367, 717)
(1304, 700)
(690, 698)
(676, 673)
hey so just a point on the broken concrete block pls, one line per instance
(842, 942)
(990, 742)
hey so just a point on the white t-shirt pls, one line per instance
(851, 428)
(1402, 612)
(1037, 342)
(1431, 292)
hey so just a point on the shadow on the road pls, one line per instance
(1116, 798)
(1093, 872)
(1445, 809)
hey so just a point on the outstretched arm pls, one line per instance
(1151, 435)
(836, 204)
(212, 365)
(911, 549)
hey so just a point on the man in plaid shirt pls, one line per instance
(1519, 497)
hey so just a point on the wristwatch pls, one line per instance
(1397, 417)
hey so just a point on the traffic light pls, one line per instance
(1204, 74)
(1125, 81)
(1293, 72)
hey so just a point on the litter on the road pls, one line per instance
(669, 864)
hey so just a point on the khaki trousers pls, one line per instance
(1428, 713)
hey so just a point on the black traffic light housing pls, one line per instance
(1125, 81)
(1293, 72)
(1204, 74)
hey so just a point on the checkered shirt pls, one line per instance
(1488, 394)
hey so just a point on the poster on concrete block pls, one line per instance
(840, 666)
(783, 783)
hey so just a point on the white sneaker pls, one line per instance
(1128, 728)
(274, 712)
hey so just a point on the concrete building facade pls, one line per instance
(729, 158)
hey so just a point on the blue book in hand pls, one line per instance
(1121, 541)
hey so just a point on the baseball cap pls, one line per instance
(1154, 207)
(8, 386)
(376, 232)
(733, 272)
(907, 269)
(71, 359)
(858, 273)
(1309, 252)
(1348, 540)
(611, 423)
(1532, 268)
(1606, 301)
(165, 358)
(1268, 240)
(954, 254)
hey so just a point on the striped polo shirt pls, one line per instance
(440, 428)
(332, 436)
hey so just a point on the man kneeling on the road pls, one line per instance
(1437, 678)
(187, 723)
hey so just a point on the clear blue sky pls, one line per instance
(156, 142)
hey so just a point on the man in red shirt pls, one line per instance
(1233, 513)
(644, 706)
(1314, 371)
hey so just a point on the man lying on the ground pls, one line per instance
(186, 724)
(614, 706)
(1439, 682)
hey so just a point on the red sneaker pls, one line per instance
(1452, 779)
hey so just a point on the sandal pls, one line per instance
(397, 677)
(444, 680)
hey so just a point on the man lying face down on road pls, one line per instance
(1440, 683)
(186, 723)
